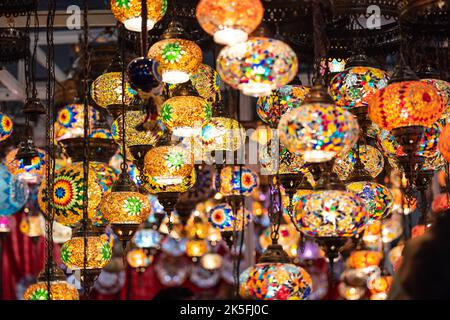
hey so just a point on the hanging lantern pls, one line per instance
(147, 238)
(234, 181)
(275, 278)
(140, 74)
(106, 90)
(60, 289)
(318, 129)
(129, 13)
(125, 208)
(29, 173)
(13, 193)
(98, 250)
(207, 83)
(178, 58)
(330, 214)
(257, 66)
(371, 158)
(211, 261)
(195, 248)
(222, 134)
(139, 260)
(186, 113)
(230, 22)
(68, 194)
(223, 218)
(443, 89)
(272, 107)
(350, 87)
(444, 142)
(379, 286)
(363, 259)
(71, 117)
(6, 126)
(169, 169)
(377, 198)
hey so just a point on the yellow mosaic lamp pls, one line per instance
(178, 57)
(186, 112)
(129, 12)
(60, 289)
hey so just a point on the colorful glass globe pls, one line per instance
(129, 13)
(106, 90)
(13, 192)
(362, 259)
(257, 66)
(330, 213)
(6, 126)
(350, 87)
(230, 22)
(371, 158)
(270, 108)
(275, 281)
(105, 174)
(134, 134)
(125, 207)
(207, 83)
(60, 289)
(318, 131)
(195, 248)
(140, 74)
(403, 104)
(185, 115)
(222, 133)
(147, 238)
(98, 252)
(72, 117)
(223, 218)
(443, 89)
(379, 286)
(233, 181)
(68, 194)
(169, 169)
(32, 173)
(377, 198)
(177, 58)
(138, 259)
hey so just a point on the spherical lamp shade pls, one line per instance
(443, 88)
(169, 169)
(6, 126)
(234, 181)
(140, 74)
(13, 193)
(134, 133)
(257, 66)
(207, 83)
(275, 281)
(230, 22)
(223, 218)
(378, 198)
(138, 259)
(225, 134)
(371, 158)
(195, 248)
(444, 142)
(350, 87)
(68, 195)
(362, 259)
(98, 252)
(403, 104)
(185, 115)
(270, 108)
(59, 290)
(29, 173)
(129, 12)
(177, 58)
(147, 238)
(379, 286)
(318, 131)
(331, 213)
(125, 208)
(106, 90)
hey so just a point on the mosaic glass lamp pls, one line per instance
(129, 12)
(32, 173)
(257, 66)
(230, 22)
(6, 126)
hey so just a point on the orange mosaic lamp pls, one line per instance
(444, 142)
(229, 21)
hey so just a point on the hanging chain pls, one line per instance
(50, 171)
(86, 67)
(124, 165)
(33, 58)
